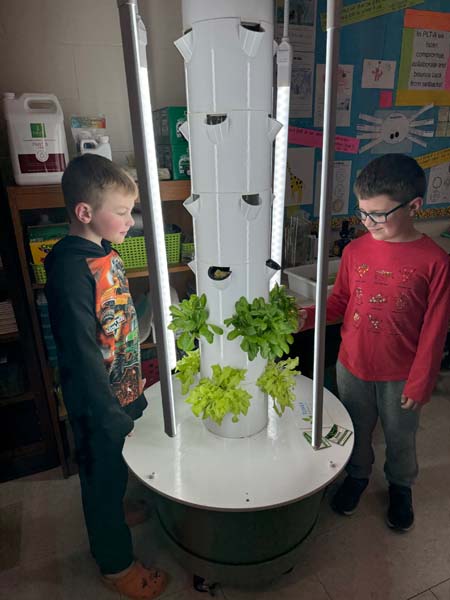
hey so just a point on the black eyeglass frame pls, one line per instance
(362, 214)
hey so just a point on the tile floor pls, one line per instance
(44, 553)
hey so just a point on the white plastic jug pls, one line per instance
(37, 140)
(91, 146)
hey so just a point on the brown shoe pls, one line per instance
(139, 583)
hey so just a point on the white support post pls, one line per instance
(134, 39)
(329, 127)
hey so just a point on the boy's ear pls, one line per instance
(415, 205)
(83, 212)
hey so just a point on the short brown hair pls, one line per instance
(395, 175)
(87, 177)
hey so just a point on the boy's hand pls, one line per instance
(409, 403)
(302, 316)
(131, 433)
(142, 385)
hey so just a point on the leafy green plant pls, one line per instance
(265, 327)
(187, 368)
(278, 380)
(216, 396)
(190, 317)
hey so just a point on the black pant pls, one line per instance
(103, 477)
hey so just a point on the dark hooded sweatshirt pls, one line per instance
(94, 324)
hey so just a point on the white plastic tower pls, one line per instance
(228, 52)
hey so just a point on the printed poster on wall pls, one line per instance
(341, 187)
(299, 176)
(378, 74)
(302, 24)
(302, 80)
(424, 74)
(438, 190)
(344, 95)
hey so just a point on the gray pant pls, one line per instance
(365, 402)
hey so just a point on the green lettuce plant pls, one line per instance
(187, 368)
(219, 395)
(265, 327)
(278, 381)
(190, 318)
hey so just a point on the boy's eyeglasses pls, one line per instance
(378, 217)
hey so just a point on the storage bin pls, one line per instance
(40, 275)
(302, 279)
(187, 252)
(134, 255)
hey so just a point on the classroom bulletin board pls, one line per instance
(393, 96)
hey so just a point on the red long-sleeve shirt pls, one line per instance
(394, 298)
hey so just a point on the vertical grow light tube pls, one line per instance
(134, 40)
(284, 66)
(329, 130)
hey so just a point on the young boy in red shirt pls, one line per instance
(393, 294)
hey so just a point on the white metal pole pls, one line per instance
(329, 127)
(134, 40)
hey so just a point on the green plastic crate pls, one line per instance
(134, 255)
(132, 251)
(40, 275)
(187, 252)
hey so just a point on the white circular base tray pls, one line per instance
(272, 468)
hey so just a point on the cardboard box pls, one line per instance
(176, 159)
(167, 122)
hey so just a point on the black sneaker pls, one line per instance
(400, 514)
(347, 497)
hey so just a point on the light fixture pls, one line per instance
(284, 67)
(134, 42)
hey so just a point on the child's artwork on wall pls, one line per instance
(439, 184)
(344, 95)
(302, 24)
(378, 74)
(302, 85)
(341, 187)
(399, 128)
(393, 96)
(299, 176)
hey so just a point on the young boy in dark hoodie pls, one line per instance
(95, 328)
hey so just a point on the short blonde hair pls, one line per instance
(87, 177)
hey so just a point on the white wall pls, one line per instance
(72, 48)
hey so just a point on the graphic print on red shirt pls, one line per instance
(394, 299)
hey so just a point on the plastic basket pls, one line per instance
(134, 255)
(40, 275)
(150, 371)
(187, 251)
(173, 247)
(132, 251)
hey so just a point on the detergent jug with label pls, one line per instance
(37, 140)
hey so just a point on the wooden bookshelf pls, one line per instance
(45, 197)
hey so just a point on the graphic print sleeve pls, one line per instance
(87, 390)
(426, 365)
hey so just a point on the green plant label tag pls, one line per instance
(338, 435)
(323, 444)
